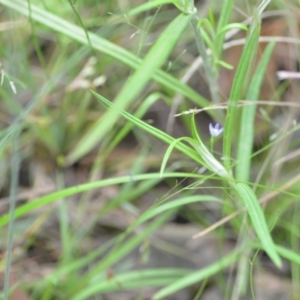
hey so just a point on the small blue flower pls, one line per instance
(215, 131)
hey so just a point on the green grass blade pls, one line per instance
(168, 153)
(152, 212)
(148, 5)
(258, 221)
(261, 7)
(228, 27)
(223, 21)
(15, 167)
(119, 252)
(197, 276)
(186, 6)
(289, 254)
(207, 63)
(64, 271)
(44, 90)
(205, 157)
(152, 130)
(246, 138)
(240, 78)
(153, 60)
(77, 33)
(134, 280)
(139, 113)
(31, 206)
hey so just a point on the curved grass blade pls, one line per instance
(148, 5)
(170, 149)
(119, 252)
(228, 27)
(76, 33)
(153, 60)
(139, 113)
(152, 130)
(64, 271)
(258, 221)
(133, 280)
(35, 204)
(197, 276)
(152, 212)
(205, 157)
(288, 254)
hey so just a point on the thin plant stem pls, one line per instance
(15, 163)
(64, 222)
(209, 70)
(82, 25)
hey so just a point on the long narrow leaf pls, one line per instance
(246, 138)
(197, 276)
(258, 221)
(152, 130)
(168, 153)
(134, 280)
(223, 21)
(119, 252)
(241, 74)
(76, 33)
(152, 212)
(148, 5)
(289, 254)
(35, 204)
(139, 113)
(153, 60)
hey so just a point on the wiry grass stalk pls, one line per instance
(14, 163)
(209, 69)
